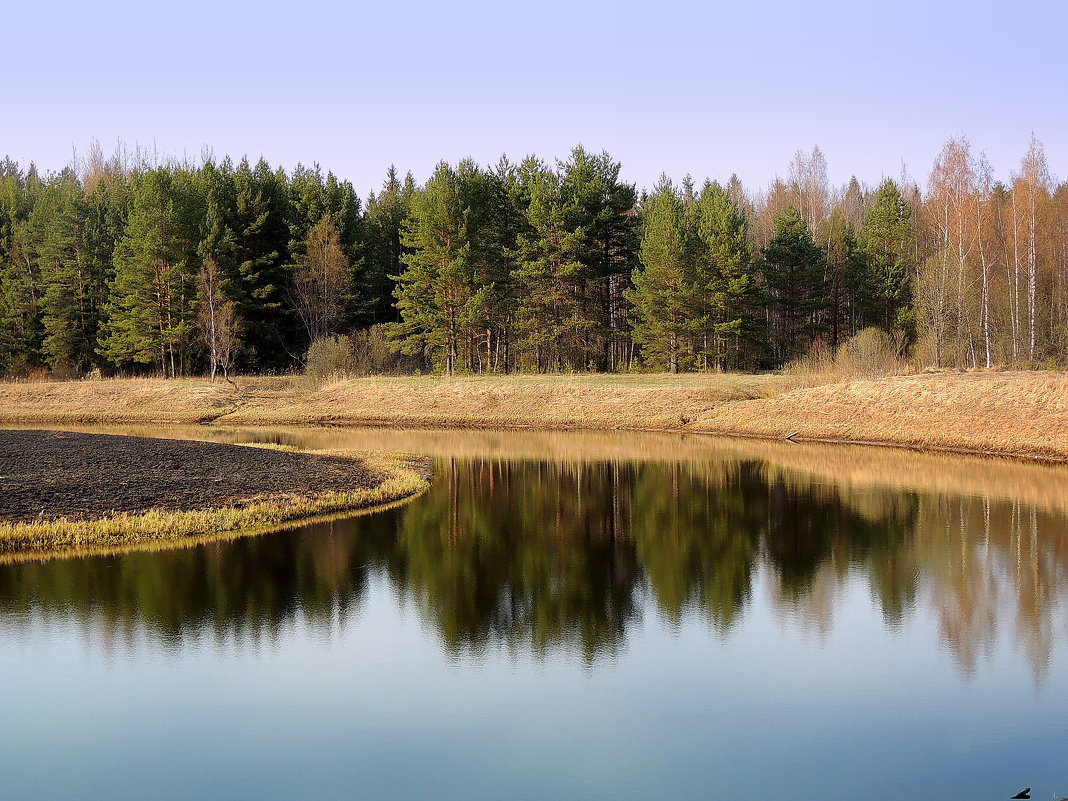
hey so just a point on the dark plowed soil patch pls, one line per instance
(48, 474)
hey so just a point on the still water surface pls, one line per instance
(568, 616)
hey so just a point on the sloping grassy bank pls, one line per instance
(1022, 414)
(544, 401)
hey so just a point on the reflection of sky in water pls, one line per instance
(342, 686)
(374, 707)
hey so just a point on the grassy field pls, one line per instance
(1022, 414)
(554, 401)
(1010, 413)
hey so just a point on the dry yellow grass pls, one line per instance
(134, 400)
(1013, 414)
(581, 401)
(1009, 413)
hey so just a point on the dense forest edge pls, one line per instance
(121, 266)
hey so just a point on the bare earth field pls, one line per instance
(84, 476)
(63, 493)
(1023, 414)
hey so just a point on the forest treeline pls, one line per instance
(120, 265)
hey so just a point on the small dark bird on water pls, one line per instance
(1025, 793)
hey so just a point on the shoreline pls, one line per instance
(1014, 415)
(374, 482)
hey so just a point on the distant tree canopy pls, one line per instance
(179, 269)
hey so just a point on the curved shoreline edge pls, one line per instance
(1011, 414)
(151, 529)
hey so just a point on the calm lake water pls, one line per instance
(568, 616)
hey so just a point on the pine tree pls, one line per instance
(887, 242)
(106, 209)
(603, 208)
(549, 312)
(847, 277)
(795, 274)
(386, 213)
(246, 233)
(21, 331)
(726, 275)
(151, 311)
(440, 302)
(667, 290)
(69, 303)
(490, 238)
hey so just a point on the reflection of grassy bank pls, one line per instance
(257, 515)
(854, 468)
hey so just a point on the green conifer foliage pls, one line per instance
(438, 296)
(726, 275)
(599, 204)
(847, 279)
(151, 313)
(68, 302)
(549, 318)
(386, 213)
(795, 275)
(667, 287)
(888, 244)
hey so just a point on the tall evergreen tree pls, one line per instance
(847, 279)
(69, 303)
(795, 275)
(550, 321)
(386, 213)
(667, 288)
(246, 233)
(21, 331)
(887, 242)
(440, 302)
(599, 204)
(151, 313)
(726, 273)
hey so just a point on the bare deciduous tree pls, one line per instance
(321, 281)
(219, 328)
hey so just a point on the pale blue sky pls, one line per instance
(700, 88)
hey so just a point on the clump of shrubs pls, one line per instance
(368, 351)
(329, 358)
(871, 353)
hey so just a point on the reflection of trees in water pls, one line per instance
(528, 554)
(548, 555)
(991, 565)
(246, 588)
